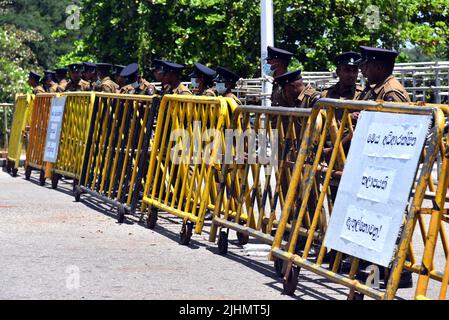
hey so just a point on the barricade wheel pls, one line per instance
(242, 238)
(8, 167)
(77, 194)
(186, 233)
(279, 267)
(291, 282)
(54, 181)
(14, 172)
(42, 178)
(223, 243)
(27, 173)
(358, 296)
(152, 218)
(121, 214)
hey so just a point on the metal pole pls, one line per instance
(267, 39)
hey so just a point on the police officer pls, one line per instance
(347, 72)
(224, 83)
(379, 71)
(277, 65)
(49, 83)
(130, 74)
(75, 82)
(61, 79)
(202, 79)
(105, 82)
(33, 81)
(295, 92)
(89, 74)
(171, 78)
(118, 68)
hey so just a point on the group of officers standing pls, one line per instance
(105, 77)
(289, 90)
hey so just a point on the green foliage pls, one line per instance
(219, 32)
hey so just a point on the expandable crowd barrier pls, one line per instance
(252, 192)
(21, 110)
(38, 135)
(117, 150)
(188, 139)
(435, 262)
(295, 211)
(74, 133)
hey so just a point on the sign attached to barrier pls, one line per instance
(54, 129)
(374, 191)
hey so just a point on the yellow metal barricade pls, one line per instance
(434, 227)
(187, 145)
(15, 145)
(330, 165)
(253, 185)
(116, 155)
(38, 135)
(74, 133)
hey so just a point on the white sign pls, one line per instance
(374, 191)
(54, 129)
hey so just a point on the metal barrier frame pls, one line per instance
(74, 135)
(15, 142)
(38, 135)
(287, 254)
(153, 198)
(228, 208)
(99, 154)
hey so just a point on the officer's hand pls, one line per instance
(355, 116)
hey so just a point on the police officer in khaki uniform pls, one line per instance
(118, 68)
(33, 82)
(61, 79)
(202, 79)
(49, 83)
(75, 82)
(277, 65)
(171, 78)
(379, 71)
(130, 74)
(224, 83)
(347, 72)
(89, 74)
(105, 82)
(295, 92)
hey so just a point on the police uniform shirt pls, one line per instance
(210, 92)
(82, 85)
(277, 99)
(307, 98)
(53, 88)
(62, 85)
(334, 92)
(38, 89)
(108, 86)
(181, 89)
(390, 90)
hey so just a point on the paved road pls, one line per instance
(54, 248)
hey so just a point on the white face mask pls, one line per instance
(195, 84)
(135, 85)
(267, 70)
(221, 87)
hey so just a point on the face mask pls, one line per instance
(267, 70)
(221, 87)
(135, 85)
(195, 84)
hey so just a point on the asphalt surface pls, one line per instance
(55, 248)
